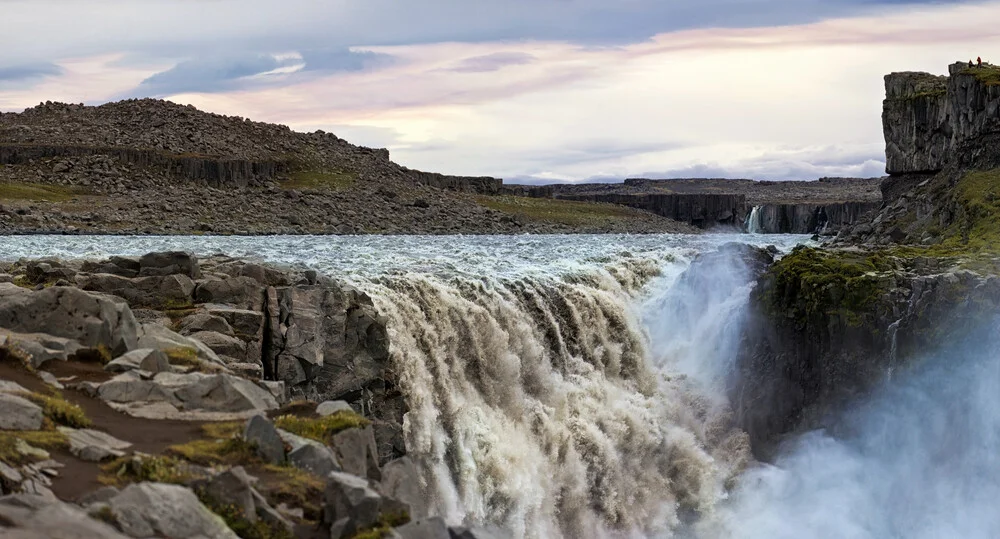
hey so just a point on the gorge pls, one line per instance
(690, 385)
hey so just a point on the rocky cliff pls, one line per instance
(701, 210)
(827, 219)
(927, 118)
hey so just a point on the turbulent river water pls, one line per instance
(572, 386)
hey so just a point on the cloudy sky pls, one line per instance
(529, 90)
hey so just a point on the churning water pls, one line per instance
(573, 386)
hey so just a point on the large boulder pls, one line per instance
(192, 391)
(234, 488)
(17, 413)
(401, 481)
(428, 528)
(350, 497)
(94, 446)
(244, 322)
(41, 347)
(205, 322)
(162, 510)
(160, 292)
(25, 516)
(356, 451)
(222, 345)
(146, 359)
(240, 292)
(68, 312)
(309, 455)
(160, 338)
(170, 263)
(261, 432)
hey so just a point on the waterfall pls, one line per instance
(754, 224)
(544, 404)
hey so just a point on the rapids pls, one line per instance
(573, 386)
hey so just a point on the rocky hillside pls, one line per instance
(166, 396)
(150, 166)
(830, 323)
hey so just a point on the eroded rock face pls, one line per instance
(926, 118)
(68, 312)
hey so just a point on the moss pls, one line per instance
(297, 488)
(136, 469)
(237, 521)
(105, 515)
(37, 192)
(327, 181)
(14, 355)
(385, 525)
(987, 74)
(320, 428)
(59, 411)
(978, 228)
(44, 439)
(810, 282)
(555, 211)
(209, 452)
(171, 305)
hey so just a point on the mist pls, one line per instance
(917, 459)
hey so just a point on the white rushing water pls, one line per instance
(573, 386)
(754, 223)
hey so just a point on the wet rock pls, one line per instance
(401, 481)
(477, 532)
(170, 511)
(261, 432)
(17, 413)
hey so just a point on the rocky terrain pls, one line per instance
(174, 397)
(798, 207)
(830, 323)
(154, 167)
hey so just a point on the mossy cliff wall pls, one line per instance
(827, 324)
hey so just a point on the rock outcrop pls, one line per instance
(701, 210)
(927, 119)
(826, 219)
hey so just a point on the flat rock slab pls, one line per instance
(94, 446)
(17, 413)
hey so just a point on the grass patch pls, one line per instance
(37, 192)
(978, 227)
(136, 469)
(386, 523)
(43, 439)
(327, 181)
(556, 211)
(297, 488)
(988, 74)
(224, 445)
(320, 428)
(182, 356)
(59, 411)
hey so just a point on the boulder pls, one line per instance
(68, 312)
(17, 413)
(146, 359)
(40, 347)
(428, 528)
(240, 292)
(244, 322)
(478, 532)
(349, 497)
(261, 432)
(27, 516)
(309, 455)
(192, 391)
(356, 451)
(161, 338)
(94, 446)
(331, 407)
(235, 488)
(222, 345)
(160, 292)
(170, 263)
(162, 510)
(205, 322)
(116, 265)
(401, 481)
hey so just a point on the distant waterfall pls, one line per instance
(754, 224)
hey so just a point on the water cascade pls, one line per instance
(754, 224)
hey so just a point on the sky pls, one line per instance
(533, 91)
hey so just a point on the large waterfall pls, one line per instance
(574, 386)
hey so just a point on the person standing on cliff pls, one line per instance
(979, 61)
